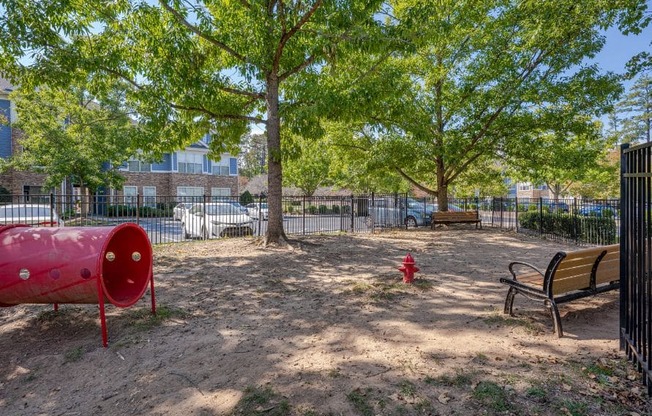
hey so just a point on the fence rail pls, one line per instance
(170, 219)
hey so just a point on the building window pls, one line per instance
(130, 195)
(190, 193)
(138, 166)
(221, 191)
(149, 196)
(221, 170)
(189, 162)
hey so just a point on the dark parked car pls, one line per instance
(556, 206)
(597, 210)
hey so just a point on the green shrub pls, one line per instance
(68, 214)
(121, 211)
(246, 198)
(591, 230)
(335, 209)
(131, 211)
(323, 209)
(533, 207)
(312, 209)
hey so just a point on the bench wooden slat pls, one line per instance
(569, 276)
(451, 217)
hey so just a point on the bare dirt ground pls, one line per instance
(325, 327)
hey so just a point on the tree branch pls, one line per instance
(288, 35)
(297, 68)
(415, 183)
(236, 91)
(219, 116)
(179, 17)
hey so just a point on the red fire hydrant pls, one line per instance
(408, 269)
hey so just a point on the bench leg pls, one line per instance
(556, 319)
(509, 301)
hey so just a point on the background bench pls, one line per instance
(452, 217)
(569, 276)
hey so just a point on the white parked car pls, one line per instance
(34, 215)
(180, 211)
(216, 219)
(257, 211)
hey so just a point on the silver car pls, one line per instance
(179, 211)
(34, 215)
(216, 219)
(258, 211)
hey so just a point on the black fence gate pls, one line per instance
(636, 258)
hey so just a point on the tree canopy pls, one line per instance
(193, 67)
(68, 134)
(479, 77)
(425, 92)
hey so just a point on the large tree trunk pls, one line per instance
(442, 187)
(274, 167)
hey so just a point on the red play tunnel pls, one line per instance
(75, 265)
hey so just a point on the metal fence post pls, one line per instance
(203, 218)
(540, 216)
(516, 213)
(352, 216)
(341, 213)
(624, 244)
(52, 209)
(137, 208)
(303, 226)
(576, 229)
(260, 211)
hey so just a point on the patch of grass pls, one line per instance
(142, 319)
(437, 358)
(50, 315)
(261, 401)
(361, 287)
(599, 370)
(423, 284)
(384, 291)
(491, 395)
(73, 355)
(573, 408)
(334, 373)
(30, 377)
(360, 402)
(500, 319)
(408, 388)
(480, 358)
(460, 379)
(536, 392)
(306, 412)
(423, 407)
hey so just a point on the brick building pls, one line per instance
(183, 173)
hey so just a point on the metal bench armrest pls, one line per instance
(520, 263)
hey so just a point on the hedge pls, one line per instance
(591, 230)
(130, 211)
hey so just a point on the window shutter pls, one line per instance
(233, 166)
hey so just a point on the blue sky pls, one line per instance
(620, 48)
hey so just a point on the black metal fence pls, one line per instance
(636, 258)
(170, 219)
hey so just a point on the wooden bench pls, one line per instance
(569, 276)
(452, 217)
